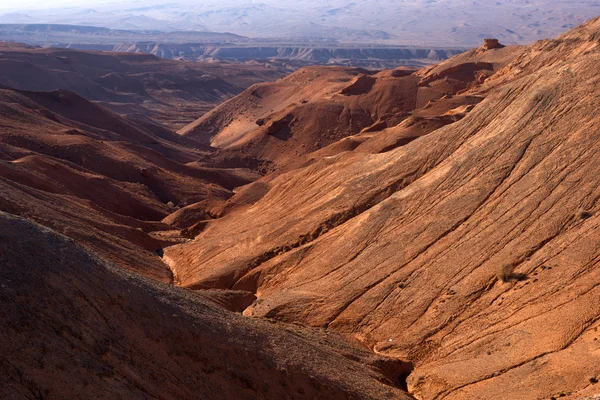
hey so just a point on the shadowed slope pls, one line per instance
(77, 327)
(170, 92)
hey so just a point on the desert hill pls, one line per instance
(84, 150)
(170, 92)
(429, 233)
(102, 179)
(274, 123)
(75, 326)
(470, 251)
(62, 33)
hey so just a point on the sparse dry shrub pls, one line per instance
(504, 272)
(582, 213)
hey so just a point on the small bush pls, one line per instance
(505, 272)
(583, 214)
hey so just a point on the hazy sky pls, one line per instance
(100, 4)
(22, 4)
(13, 5)
(53, 4)
(408, 22)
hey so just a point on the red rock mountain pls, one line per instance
(401, 246)
(275, 123)
(389, 234)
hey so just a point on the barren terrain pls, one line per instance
(336, 233)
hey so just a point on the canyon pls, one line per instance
(174, 229)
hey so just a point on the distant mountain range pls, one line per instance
(406, 22)
(215, 46)
(57, 34)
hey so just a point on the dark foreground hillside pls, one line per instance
(74, 326)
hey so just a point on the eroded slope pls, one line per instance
(74, 326)
(401, 249)
(101, 179)
(273, 124)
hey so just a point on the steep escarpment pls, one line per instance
(367, 56)
(470, 250)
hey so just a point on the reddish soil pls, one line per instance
(396, 237)
(103, 179)
(273, 124)
(74, 326)
(434, 231)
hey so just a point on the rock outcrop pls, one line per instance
(363, 83)
(490, 44)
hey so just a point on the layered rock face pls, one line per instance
(401, 247)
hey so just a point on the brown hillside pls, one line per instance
(74, 326)
(276, 123)
(168, 91)
(99, 178)
(402, 249)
